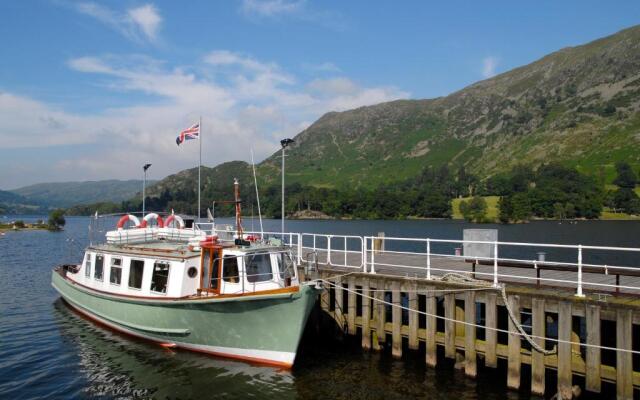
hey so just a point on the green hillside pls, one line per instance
(578, 106)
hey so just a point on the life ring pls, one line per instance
(174, 219)
(147, 218)
(252, 238)
(123, 220)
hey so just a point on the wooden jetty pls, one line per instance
(402, 304)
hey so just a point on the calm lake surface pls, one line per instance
(48, 351)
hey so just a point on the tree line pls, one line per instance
(550, 191)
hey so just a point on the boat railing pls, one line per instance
(101, 224)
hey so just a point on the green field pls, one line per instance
(492, 207)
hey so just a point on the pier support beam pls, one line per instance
(396, 320)
(339, 312)
(624, 360)
(351, 312)
(593, 354)
(450, 326)
(491, 335)
(513, 374)
(324, 297)
(470, 367)
(564, 350)
(432, 355)
(413, 316)
(537, 358)
(380, 316)
(366, 314)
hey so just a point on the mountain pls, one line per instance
(11, 203)
(578, 106)
(66, 194)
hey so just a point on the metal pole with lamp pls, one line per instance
(284, 143)
(144, 184)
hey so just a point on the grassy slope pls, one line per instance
(492, 207)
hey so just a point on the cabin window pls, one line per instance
(115, 275)
(206, 265)
(99, 265)
(285, 266)
(160, 277)
(192, 272)
(230, 269)
(87, 265)
(259, 268)
(135, 274)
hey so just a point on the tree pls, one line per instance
(626, 177)
(626, 200)
(56, 220)
(475, 210)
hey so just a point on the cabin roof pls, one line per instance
(173, 250)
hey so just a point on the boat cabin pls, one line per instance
(175, 270)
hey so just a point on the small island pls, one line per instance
(55, 223)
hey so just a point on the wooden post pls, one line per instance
(513, 374)
(366, 314)
(382, 335)
(339, 312)
(450, 326)
(624, 360)
(470, 367)
(593, 363)
(564, 350)
(351, 312)
(324, 298)
(537, 359)
(396, 314)
(413, 316)
(491, 336)
(432, 355)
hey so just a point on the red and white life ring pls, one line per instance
(174, 219)
(123, 220)
(147, 219)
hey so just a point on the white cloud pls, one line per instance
(147, 19)
(271, 8)
(137, 24)
(244, 103)
(489, 65)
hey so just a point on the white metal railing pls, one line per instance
(338, 250)
(502, 269)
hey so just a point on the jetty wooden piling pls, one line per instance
(551, 310)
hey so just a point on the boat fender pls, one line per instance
(174, 219)
(252, 238)
(123, 220)
(147, 218)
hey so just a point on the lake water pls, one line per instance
(48, 351)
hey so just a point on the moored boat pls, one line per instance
(184, 287)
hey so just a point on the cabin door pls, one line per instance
(211, 263)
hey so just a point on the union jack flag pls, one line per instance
(193, 132)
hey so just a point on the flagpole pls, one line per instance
(199, 163)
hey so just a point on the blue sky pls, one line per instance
(92, 90)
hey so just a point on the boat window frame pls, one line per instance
(247, 262)
(111, 267)
(95, 267)
(153, 271)
(238, 275)
(131, 261)
(215, 255)
(88, 265)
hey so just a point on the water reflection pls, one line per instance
(121, 367)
